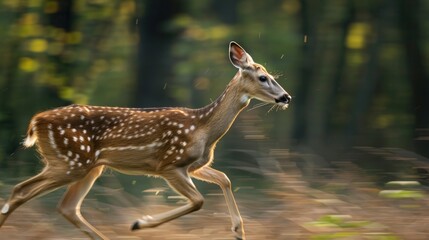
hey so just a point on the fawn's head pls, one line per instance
(256, 82)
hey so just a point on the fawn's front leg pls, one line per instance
(179, 180)
(214, 176)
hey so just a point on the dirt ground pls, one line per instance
(334, 203)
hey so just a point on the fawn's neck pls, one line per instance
(218, 116)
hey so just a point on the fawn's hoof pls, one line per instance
(135, 226)
(144, 222)
(239, 232)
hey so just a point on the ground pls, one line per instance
(338, 202)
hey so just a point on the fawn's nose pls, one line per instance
(284, 99)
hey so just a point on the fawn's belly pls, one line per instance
(133, 162)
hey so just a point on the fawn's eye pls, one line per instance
(263, 78)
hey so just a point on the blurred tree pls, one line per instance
(328, 116)
(155, 60)
(9, 141)
(309, 16)
(411, 36)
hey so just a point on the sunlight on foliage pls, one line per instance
(37, 45)
(34, 3)
(67, 93)
(401, 194)
(356, 38)
(404, 183)
(27, 64)
(201, 33)
(334, 227)
(341, 221)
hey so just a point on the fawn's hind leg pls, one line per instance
(44, 182)
(69, 206)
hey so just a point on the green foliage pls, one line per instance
(339, 221)
(401, 194)
(342, 227)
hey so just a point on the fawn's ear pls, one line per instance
(238, 56)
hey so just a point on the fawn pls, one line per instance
(77, 142)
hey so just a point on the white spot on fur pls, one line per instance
(52, 140)
(244, 98)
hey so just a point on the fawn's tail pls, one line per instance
(31, 138)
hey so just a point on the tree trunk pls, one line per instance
(410, 28)
(300, 129)
(328, 115)
(155, 60)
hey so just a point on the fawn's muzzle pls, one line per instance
(284, 99)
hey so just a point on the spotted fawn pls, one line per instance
(77, 142)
